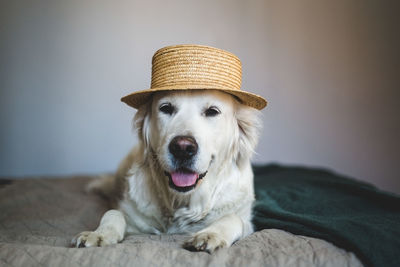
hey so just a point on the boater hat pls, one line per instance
(195, 67)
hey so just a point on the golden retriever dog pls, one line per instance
(190, 173)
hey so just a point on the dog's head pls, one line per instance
(194, 133)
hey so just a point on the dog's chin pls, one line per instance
(184, 180)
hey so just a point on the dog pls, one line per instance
(190, 173)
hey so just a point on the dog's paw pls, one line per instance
(205, 241)
(93, 239)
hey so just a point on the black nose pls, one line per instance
(183, 147)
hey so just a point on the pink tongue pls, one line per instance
(183, 179)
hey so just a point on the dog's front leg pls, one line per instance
(221, 233)
(110, 231)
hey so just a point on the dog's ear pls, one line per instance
(249, 127)
(141, 123)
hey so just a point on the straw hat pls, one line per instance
(191, 67)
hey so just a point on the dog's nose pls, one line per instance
(183, 147)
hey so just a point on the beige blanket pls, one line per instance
(38, 218)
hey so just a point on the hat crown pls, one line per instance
(195, 66)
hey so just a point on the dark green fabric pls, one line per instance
(352, 215)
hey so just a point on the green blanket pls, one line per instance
(352, 215)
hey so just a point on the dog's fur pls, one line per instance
(217, 210)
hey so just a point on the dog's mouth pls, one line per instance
(184, 180)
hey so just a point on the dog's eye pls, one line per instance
(212, 112)
(167, 108)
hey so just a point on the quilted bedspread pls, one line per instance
(38, 218)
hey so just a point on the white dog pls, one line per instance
(189, 173)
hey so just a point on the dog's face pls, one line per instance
(192, 133)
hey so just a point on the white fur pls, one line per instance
(217, 212)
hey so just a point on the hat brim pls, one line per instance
(139, 98)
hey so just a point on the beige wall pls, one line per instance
(330, 70)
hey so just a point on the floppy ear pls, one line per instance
(249, 127)
(141, 122)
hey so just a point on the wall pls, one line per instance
(329, 69)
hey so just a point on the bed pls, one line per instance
(303, 217)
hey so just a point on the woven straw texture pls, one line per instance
(191, 67)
